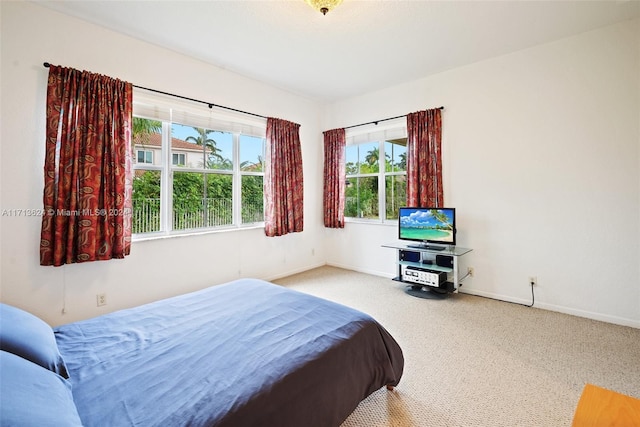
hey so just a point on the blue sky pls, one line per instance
(422, 217)
(392, 152)
(250, 147)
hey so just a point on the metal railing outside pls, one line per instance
(211, 213)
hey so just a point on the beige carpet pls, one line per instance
(472, 361)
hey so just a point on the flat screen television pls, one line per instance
(429, 226)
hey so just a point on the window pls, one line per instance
(202, 194)
(145, 156)
(361, 192)
(376, 174)
(395, 175)
(204, 178)
(252, 178)
(179, 159)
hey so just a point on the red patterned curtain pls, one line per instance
(87, 170)
(334, 177)
(424, 159)
(283, 185)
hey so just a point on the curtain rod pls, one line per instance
(375, 122)
(210, 104)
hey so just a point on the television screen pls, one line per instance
(428, 225)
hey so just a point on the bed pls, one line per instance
(244, 353)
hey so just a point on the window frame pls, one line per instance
(242, 173)
(393, 130)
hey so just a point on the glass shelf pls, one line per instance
(432, 267)
(416, 247)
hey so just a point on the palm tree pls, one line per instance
(204, 140)
(142, 128)
(403, 161)
(254, 167)
(442, 218)
(372, 156)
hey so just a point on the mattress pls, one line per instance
(245, 353)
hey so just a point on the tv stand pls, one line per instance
(429, 262)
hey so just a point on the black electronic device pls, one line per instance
(444, 261)
(430, 226)
(411, 256)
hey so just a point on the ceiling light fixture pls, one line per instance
(323, 6)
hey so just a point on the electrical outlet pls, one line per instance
(470, 271)
(533, 281)
(101, 299)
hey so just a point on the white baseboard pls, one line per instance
(295, 271)
(362, 270)
(558, 308)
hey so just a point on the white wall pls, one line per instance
(32, 35)
(541, 161)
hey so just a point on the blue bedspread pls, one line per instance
(246, 353)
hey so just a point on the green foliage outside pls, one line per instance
(146, 201)
(252, 199)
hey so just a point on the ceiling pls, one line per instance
(359, 47)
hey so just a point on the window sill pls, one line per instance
(388, 222)
(184, 233)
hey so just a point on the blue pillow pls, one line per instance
(34, 396)
(29, 337)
